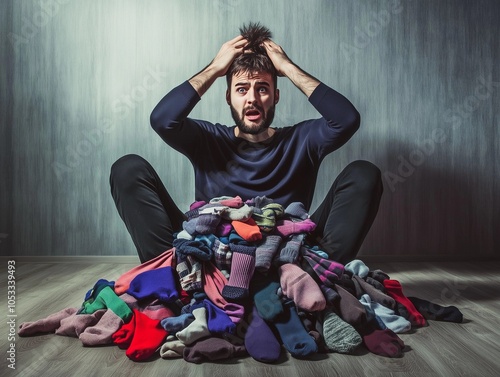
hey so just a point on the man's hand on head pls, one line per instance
(278, 56)
(219, 65)
(227, 53)
(285, 67)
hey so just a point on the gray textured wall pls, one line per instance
(80, 78)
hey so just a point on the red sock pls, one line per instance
(148, 337)
(384, 343)
(123, 337)
(395, 290)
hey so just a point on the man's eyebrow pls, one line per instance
(246, 83)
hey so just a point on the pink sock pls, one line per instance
(287, 227)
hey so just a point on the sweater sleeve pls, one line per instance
(170, 117)
(340, 119)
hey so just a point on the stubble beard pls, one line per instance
(239, 120)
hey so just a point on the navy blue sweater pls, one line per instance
(283, 168)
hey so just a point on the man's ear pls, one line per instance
(276, 96)
(228, 97)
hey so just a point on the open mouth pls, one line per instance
(253, 115)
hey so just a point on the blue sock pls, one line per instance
(217, 320)
(158, 283)
(293, 334)
(175, 324)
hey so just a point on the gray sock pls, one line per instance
(339, 336)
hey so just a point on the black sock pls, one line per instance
(437, 312)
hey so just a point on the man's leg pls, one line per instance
(347, 213)
(149, 213)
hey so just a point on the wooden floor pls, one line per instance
(471, 348)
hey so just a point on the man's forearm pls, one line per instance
(301, 79)
(203, 80)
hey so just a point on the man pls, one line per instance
(251, 158)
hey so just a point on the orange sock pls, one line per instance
(248, 230)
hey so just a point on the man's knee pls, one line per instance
(127, 168)
(367, 175)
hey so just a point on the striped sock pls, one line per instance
(242, 269)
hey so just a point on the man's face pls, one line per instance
(252, 98)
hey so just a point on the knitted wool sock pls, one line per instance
(375, 284)
(207, 223)
(378, 275)
(265, 252)
(260, 341)
(172, 348)
(289, 252)
(266, 216)
(297, 210)
(357, 267)
(223, 229)
(264, 290)
(297, 285)
(45, 325)
(248, 230)
(229, 201)
(147, 337)
(189, 271)
(222, 255)
(75, 324)
(437, 312)
(383, 342)
(102, 332)
(197, 329)
(158, 283)
(242, 269)
(350, 309)
(310, 323)
(241, 214)
(107, 299)
(375, 294)
(98, 286)
(176, 324)
(218, 321)
(196, 248)
(392, 321)
(340, 336)
(212, 349)
(287, 227)
(293, 334)
(395, 290)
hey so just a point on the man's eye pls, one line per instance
(241, 90)
(263, 90)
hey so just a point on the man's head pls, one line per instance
(252, 84)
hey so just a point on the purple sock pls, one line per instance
(260, 341)
(287, 227)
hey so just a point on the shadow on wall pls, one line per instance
(430, 211)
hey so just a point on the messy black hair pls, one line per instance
(255, 58)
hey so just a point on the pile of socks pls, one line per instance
(240, 280)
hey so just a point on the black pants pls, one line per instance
(152, 217)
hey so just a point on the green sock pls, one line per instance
(107, 299)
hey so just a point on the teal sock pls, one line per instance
(107, 299)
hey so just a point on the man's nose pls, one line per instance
(251, 96)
